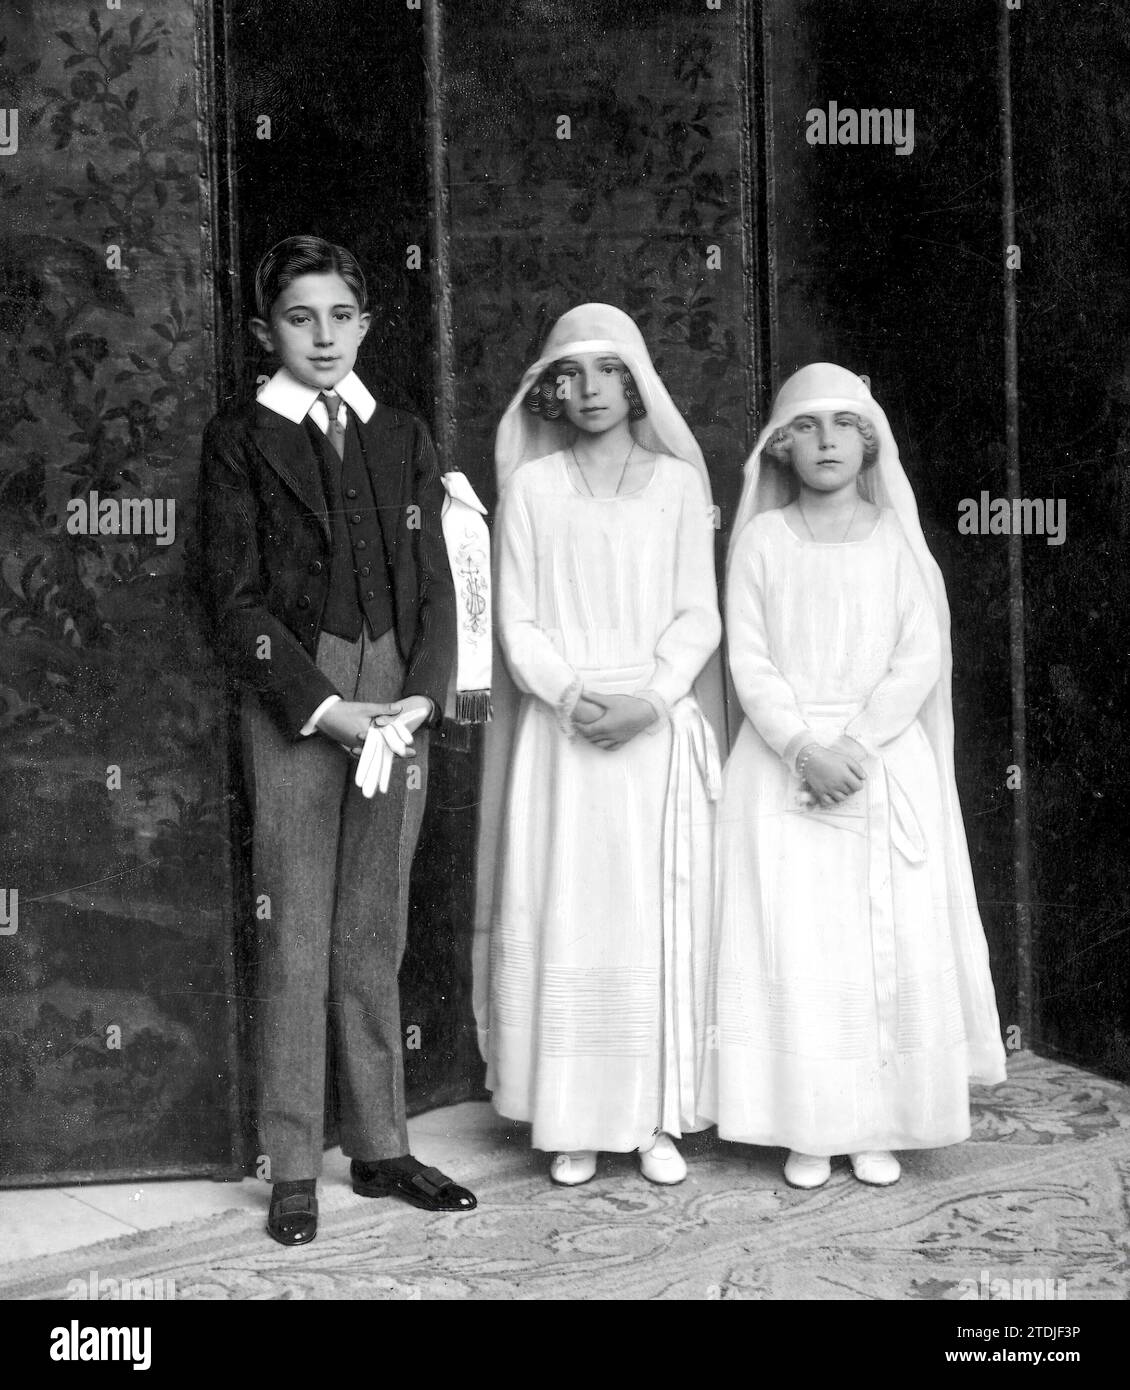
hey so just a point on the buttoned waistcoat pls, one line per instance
(263, 546)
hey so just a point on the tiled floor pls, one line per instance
(461, 1140)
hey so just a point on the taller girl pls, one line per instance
(596, 920)
(853, 999)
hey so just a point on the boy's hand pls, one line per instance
(622, 718)
(409, 713)
(389, 737)
(347, 721)
(832, 776)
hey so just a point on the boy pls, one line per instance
(328, 586)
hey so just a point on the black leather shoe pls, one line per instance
(293, 1220)
(407, 1177)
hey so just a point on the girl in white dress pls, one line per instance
(851, 1000)
(595, 889)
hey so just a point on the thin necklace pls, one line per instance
(623, 471)
(847, 528)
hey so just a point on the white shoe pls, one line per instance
(570, 1170)
(663, 1162)
(807, 1170)
(877, 1167)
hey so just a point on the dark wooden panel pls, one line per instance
(1072, 128)
(346, 159)
(889, 264)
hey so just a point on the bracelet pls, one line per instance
(805, 754)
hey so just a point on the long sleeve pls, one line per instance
(914, 670)
(769, 701)
(258, 650)
(687, 642)
(537, 666)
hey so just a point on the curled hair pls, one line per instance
(542, 398)
(305, 255)
(779, 444)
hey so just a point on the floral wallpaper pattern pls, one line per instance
(626, 209)
(113, 823)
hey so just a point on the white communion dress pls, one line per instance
(839, 1022)
(599, 931)
(851, 998)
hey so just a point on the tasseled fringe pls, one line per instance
(473, 707)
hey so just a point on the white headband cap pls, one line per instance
(523, 436)
(822, 386)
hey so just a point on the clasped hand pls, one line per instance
(833, 774)
(610, 721)
(376, 734)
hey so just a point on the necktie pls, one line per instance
(336, 430)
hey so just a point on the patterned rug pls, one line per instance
(1039, 1198)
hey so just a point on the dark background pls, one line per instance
(687, 132)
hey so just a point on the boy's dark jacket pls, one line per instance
(263, 550)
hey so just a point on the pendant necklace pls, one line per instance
(847, 528)
(623, 471)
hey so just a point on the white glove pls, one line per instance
(383, 745)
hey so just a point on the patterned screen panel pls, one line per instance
(116, 957)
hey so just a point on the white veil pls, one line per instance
(521, 438)
(821, 386)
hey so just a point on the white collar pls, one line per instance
(290, 398)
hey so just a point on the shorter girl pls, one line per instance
(851, 994)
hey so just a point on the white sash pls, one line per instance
(468, 553)
(693, 783)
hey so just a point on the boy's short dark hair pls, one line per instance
(295, 256)
(542, 398)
